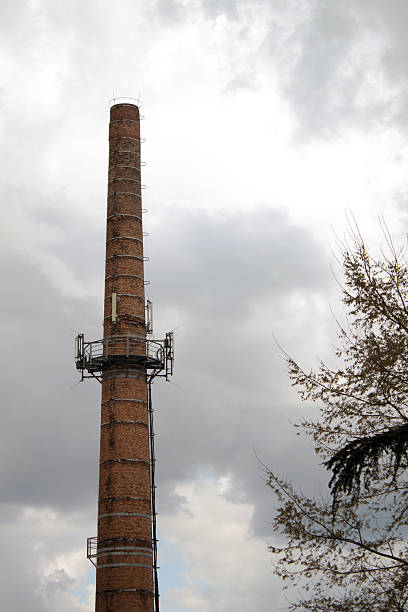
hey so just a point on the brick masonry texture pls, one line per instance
(124, 578)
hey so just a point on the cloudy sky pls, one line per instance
(265, 122)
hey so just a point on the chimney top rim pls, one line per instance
(125, 101)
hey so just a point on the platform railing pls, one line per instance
(95, 356)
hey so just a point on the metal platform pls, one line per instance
(127, 350)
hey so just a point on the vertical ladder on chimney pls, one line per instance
(153, 495)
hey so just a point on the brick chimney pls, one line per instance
(125, 361)
(124, 577)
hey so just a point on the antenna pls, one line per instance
(114, 304)
(149, 317)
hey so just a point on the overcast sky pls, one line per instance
(265, 122)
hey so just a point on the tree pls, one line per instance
(349, 551)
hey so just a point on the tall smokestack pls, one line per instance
(124, 578)
(125, 361)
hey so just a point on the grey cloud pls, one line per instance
(241, 82)
(343, 65)
(320, 98)
(214, 8)
(225, 269)
(170, 11)
(49, 442)
(14, 14)
(33, 578)
(174, 9)
(224, 264)
(58, 581)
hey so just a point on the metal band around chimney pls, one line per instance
(124, 180)
(127, 514)
(124, 166)
(132, 295)
(125, 549)
(120, 215)
(125, 255)
(123, 399)
(149, 591)
(125, 238)
(124, 565)
(141, 423)
(124, 460)
(123, 553)
(124, 138)
(122, 498)
(138, 373)
(120, 275)
(115, 193)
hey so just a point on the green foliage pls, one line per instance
(361, 459)
(349, 552)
